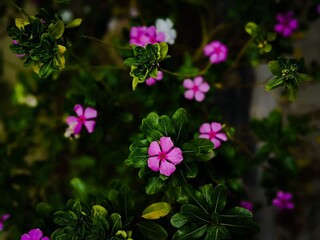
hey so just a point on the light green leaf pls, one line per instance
(74, 23)
(154, 185)
(115, 223)
(56, 29)
(274, 68)
(178, 220)
(156, 210)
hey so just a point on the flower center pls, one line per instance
(217, 50)
(195, 88)
(82, 119)
(212, 135)
(162, 156)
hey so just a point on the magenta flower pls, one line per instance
(34, 234)
(286, 24)
(15, 42)
(283, 201)
(163, 156)
(142, 35)
(247, 205)
(195, 89)
(217, 51)
(318, 8)
(212, 132)
(151, 81)
(3, 218)
(84, 117)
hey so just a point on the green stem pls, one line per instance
(105, 43)
(19, 9)
(241, 53)
(202, 72)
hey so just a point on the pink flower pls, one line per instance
(283, 201)
(151, 81)
(318, 8)
(286, 24)
(217, 51)
(34, 234)
(196, 88)
(247, 205)
(84, 117)
(212, 132)
(3, 218)
(142, 35)
(164, 156)
(15, 42)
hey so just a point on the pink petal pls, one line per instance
(280, 18)
(199, 96)
(77, 128)
(188, 83)
(90, 125)
(214, 58)
(205, 128)
(277, 203)
(4, 217)
(150, 81)
(287, 32)
(71, 120)
(216, 127)
(161, 37)
(216, 142)
(278, 28)
(189, 94)
(166, 144)
(290, 205)
(175, 156)
(204, 87)
(25, 237)
(35, 234)
(208, 50)
(153, 163)
(222, 136)
(154, 149)
(167, 168)
(293, 24)
(198, 80)
(90, 113)
(78, 109)
(45, 238)
(204, 136)
(1, 226)
(160, 75)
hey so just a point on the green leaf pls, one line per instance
(65, 218)
(238, 220)
(217, 233)
(130, 61)
(74, 23)
(274, 68)
(56, 29)
(166, 127)
(190, 231)
(151, 230)
(135, 83)
(250, 28)
(180, 122)
(190, 169)
(199, 149)
(178, 220)
(153, 135)
(44, 208)
(66, 233)
(195, 214)
(115, 223)
(141, 144)
(99, 211)
(156, 210)
(45, 69)
(163, 50)
(219, 198)
(150, 122)
(154, 185)
(80, 188)
(274, 83)
(207, 192)
(138, 158)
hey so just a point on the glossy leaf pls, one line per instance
(56, 29)
(156, 210)
(190, 231)
(151, 230)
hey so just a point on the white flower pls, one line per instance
(166, 27)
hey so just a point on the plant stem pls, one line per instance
(19, 9)
(240, 54)
(105, 43)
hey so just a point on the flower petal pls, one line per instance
(204, 136)
(45, 238)
(78, 109)
(188, 83)
(205, 128)
(25, 237)
(150, 81)
(222, 136)
(71, 120)
(199, 96)
(167, 168)
(290, 205)
(216, 142)
(153, 163)
(35, 234)
(204, 87)
(77, 128)
(154, 149)
(189, 94)
(90, 125)
(166, 144)
(216, 127)
(175, 156)
(90, 113)
(198, 80)
(160, 76)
